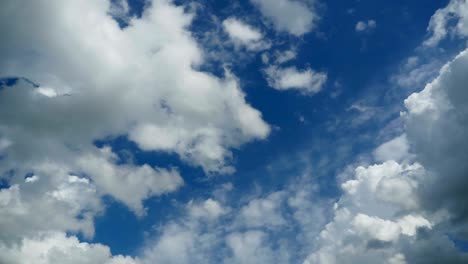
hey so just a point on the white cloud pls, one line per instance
(263, 212)
(285, 56)
(441, 24)
(56, 247)
(243, 34)
(295, 17)
(250, 247)
(98, 81)
(371, 218)
(56, 202)
(388, 206)
(210, 209)
(436, 126)
(306, 81)
(396, 149)
(368, 25)
(258, 232)
(128, 183)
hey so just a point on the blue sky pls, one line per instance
(256, 131)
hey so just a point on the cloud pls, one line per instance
(77, 79)
(263, 212)
(264, 228)
(244, 35)
(250, 247)
(306, 81)
(56, 247)
(88, 79)
(128, 183)
(368, 25)
(441, 23)
(395, 149)
(401, 204)
(294, 17)
(374, 207)
(210, 209)
(437, 128)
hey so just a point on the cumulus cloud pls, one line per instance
(436, 121)
(306, 81)
(243, 34)
(387, 206)
(80, 78)
(56, 247)
(371, 217)
(294, 17)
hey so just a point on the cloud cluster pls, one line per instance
(387, 206)
(83, 78)
(275, 227)
(75, 79)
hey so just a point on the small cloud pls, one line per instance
(285, 56)
(245, 35)
(307, 81)
(294, 17)
(363, 26)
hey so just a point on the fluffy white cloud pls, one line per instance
(368, 25)
(83, 78)
(96, 81)
(306, 81)
(59, 201)
(128, 183)
(295, 17)
(56, 247)
(441, 23)
(243, 34)
(371, 216)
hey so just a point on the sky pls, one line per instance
(246, 131)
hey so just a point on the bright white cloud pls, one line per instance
(243, 34)
(291, 16)
(371, 215)
(306, 81)
(56, 247)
